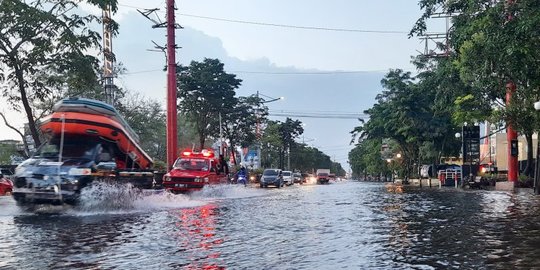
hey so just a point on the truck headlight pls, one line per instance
(166, 178)
(198, 179)
(206, 179)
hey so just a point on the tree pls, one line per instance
(240, 122)
(205, 90)
(495, 43)
(415, 113)
(147, 118)
(365, 158)
(43, 47)
(289, 130)
(271, 145)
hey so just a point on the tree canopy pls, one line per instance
(205, 91)
(44, 46)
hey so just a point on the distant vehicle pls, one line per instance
(288, 178)
(271, 177)
(332, 177)
(297, 177)
(323, 176)
(6, 186)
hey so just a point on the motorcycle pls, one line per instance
(242, 179)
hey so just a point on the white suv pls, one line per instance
(288, 178)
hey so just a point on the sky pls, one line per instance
(248, 48)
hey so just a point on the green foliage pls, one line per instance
(6, 152)
(240, 122)
(365, 158)
(495, 45)
(309, 159)
(43, 48)
(147, 118)
(277, 138)
(204, 91)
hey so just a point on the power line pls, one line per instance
(307, 73)
(316, 116)
(320, 112)
(316, 28)
(273, 73)
(294, 26)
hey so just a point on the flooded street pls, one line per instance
(343, 225)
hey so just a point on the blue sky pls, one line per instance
(245, 47)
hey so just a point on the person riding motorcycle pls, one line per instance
(241, 176)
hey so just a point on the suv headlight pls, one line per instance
(166, 178)
(198, 179)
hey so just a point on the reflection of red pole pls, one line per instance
(172, 144)
(511, 135)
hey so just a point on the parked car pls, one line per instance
(297, 177)
(7, 172)
(6, 186)
(272, 177)
(288, 178)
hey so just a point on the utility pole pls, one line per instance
(258, 132)
(289, 158)
(171, 25)
(172, 135)
(511, 134)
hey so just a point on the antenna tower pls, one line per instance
(108, 57)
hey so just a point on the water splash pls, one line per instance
(211, 192)
(124, 198)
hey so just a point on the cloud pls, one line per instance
(349, 92)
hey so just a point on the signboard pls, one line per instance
(471, 144)
(251, 159)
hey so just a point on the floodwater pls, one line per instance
(349, 225)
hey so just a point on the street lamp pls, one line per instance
(537, 173)
(262, 101)
(465, 149)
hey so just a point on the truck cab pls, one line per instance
(323, 176)
(192, 171)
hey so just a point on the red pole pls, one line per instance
(172, 143)
(511, 135)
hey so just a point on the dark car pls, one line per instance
(272, 177)
(6, 186)
(297, 177)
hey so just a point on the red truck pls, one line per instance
(323, 176)
(192, 171)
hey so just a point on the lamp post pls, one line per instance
(537, 167)
(463, 153)
(258, 129)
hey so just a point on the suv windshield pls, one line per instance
(270, 172)
(286, 173)
(80, 149)
(192, 164)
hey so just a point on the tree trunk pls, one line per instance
(26, 150)
(28, 110)
(529, 168)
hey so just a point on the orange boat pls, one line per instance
(103, 126)
(88, 141)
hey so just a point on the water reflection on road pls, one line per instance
(348, 224)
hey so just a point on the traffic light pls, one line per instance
(514, 148)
